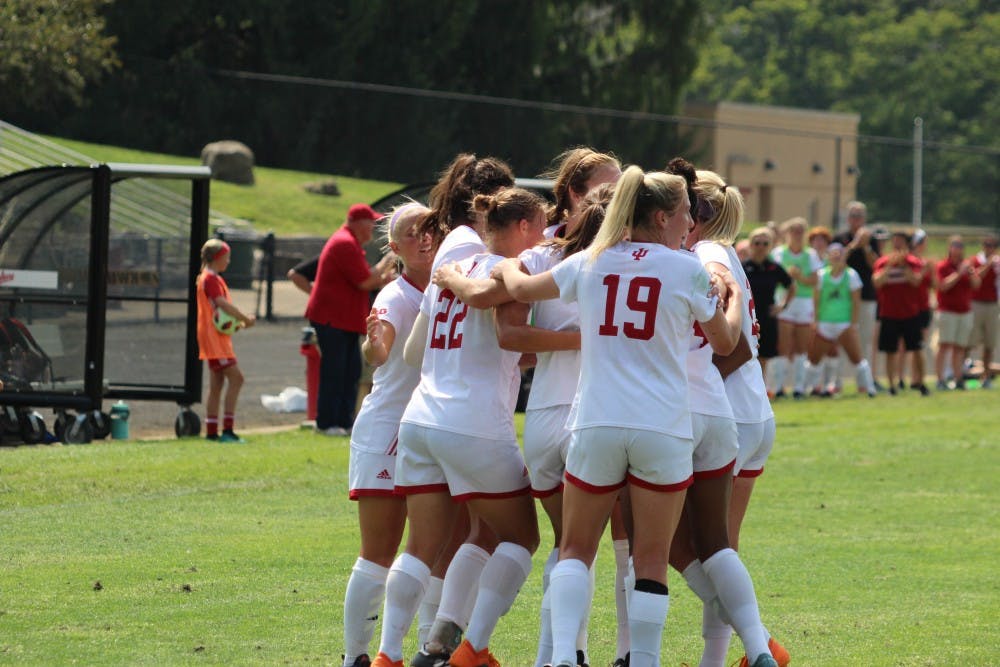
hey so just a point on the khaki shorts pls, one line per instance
(985, 324)
(954, 328)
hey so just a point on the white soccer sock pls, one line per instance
(800, 372)
(544, 653)
(812, 374)
(427, 611)
(833, 371)
(404, 588)
(569, 598)
(647, 613)
(714, 630)
(583, 635)
(864, 376)
(501, 581)
(716, 634)
(735, 589)
(621, 598)
(362, 601)
(779, 368)
(461, 583)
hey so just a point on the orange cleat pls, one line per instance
(779, 652)
(466, 656)
(382, 660)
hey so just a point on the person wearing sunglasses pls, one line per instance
(765, 276)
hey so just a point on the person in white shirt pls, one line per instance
(639, 295)
(557, 372)
(457, 443)
(381, 512)
(719, 395)
(456, 232)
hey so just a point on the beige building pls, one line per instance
(786, 162)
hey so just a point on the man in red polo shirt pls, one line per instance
(985, 306)
(896, 277)
(956, 279)
(338, 305)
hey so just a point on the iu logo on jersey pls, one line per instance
(639, 254)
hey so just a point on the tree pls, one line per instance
(51, 50)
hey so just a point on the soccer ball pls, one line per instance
(225, 323)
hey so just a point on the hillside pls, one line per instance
(277, 202)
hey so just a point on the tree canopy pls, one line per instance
(51, 50)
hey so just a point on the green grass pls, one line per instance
(276, 202)
(872, 539)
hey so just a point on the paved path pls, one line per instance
(269, 357)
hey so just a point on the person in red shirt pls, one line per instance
(338, 306)
(985, 305)
(215, 346)
(896, 277)
(956, 281)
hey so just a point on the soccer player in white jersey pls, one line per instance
(457, 234)
(546, 438)
(381, 512)
(639, 296)
(747, 396)
(457, 444)
(837, 302)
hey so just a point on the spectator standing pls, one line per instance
(918, 246)
(303, 274)
(795, 322)
(862, 251)
(897, 279)
(338, 307)
(985, 306)
(956, 281)
(765, 275)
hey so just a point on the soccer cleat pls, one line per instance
(382, 660)
(798, 395)
(780, 653)
(214, 437)
(924, 391)
(361, 661)
(466, 656)
(581, 659)
(764, 660)
(622, 662)
(334, 431)
(229, 436)
(425, 658)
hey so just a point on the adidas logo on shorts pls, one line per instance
(383, 475)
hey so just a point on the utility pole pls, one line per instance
(918, 169)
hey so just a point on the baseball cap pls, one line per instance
(918, 237)
(363, 212)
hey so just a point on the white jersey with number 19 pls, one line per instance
(468, 384)
(638, 303)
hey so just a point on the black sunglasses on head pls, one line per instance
(701, 210)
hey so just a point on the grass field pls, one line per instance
(276, 202)
(872, 538)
